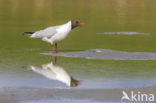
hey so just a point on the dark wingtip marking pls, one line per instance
(28, 33)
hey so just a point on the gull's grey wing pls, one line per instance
(45, 71)
(48, 32)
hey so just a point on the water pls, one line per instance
(108, 55)
(117, 25)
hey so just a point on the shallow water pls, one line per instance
(124, 30)
(105, 78)
(123, 33)
(108, 55)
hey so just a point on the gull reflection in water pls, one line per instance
(55, 72)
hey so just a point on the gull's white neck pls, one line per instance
(62, 32)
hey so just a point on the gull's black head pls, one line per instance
(75, 23)
(75, 83)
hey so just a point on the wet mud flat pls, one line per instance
(108, 55)
(41, 95)
(123, 33)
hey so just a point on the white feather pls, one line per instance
(54, 33)
(53, 72)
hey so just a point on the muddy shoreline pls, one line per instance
(107, 55)
(24, 94)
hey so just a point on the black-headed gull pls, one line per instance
(54, 34)
(55, 72)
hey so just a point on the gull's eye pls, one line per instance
(77, 22)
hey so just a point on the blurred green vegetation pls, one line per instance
(18, 16)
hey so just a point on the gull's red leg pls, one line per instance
(52, 58)
(52, 46)
(56, 47)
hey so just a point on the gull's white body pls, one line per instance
(53, 34)
(54, 72)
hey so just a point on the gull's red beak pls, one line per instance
(80, 82)
(80, 24)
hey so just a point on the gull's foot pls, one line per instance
(57, 51)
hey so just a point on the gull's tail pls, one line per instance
(28, 33)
